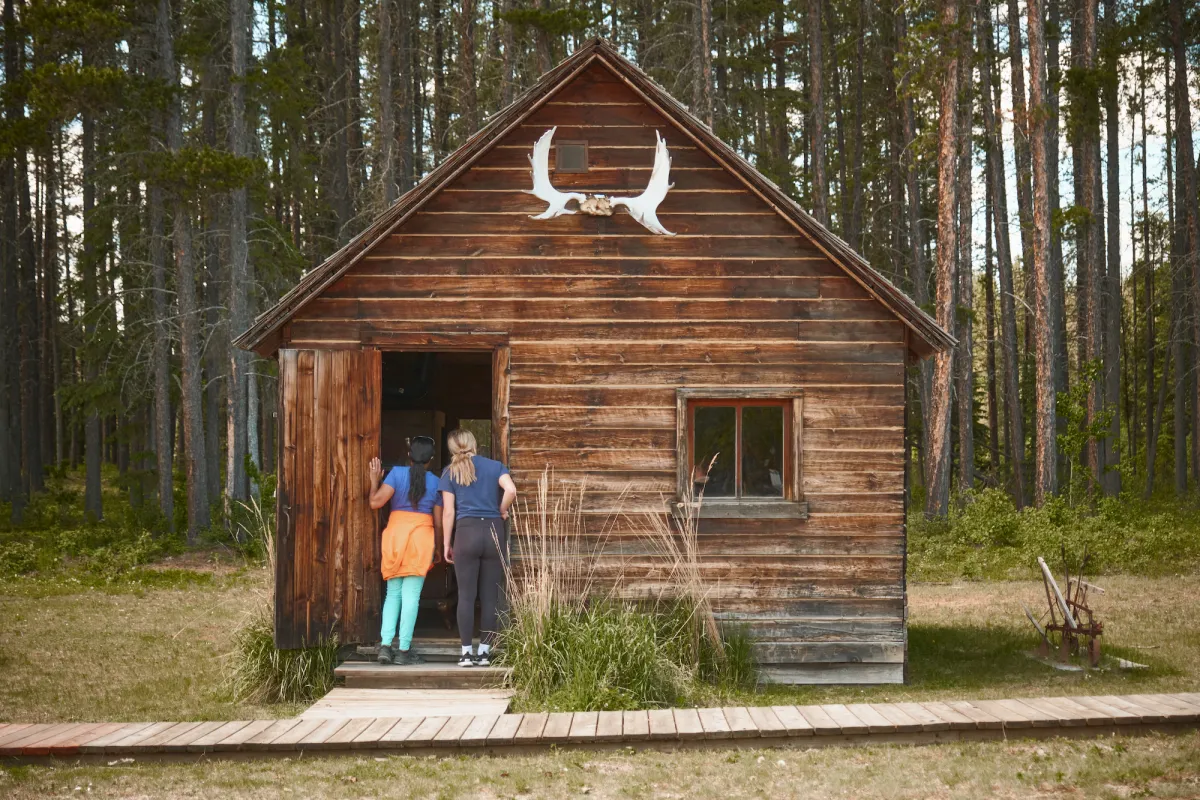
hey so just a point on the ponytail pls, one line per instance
(462, 448)
(416, 483)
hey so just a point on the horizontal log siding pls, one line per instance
(606, 322)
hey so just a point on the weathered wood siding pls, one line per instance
(328, 553)
(606, 321)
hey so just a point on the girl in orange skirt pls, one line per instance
(410, 543)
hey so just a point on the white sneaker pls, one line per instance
(466, 660)
(483, 660)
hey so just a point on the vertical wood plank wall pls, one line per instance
(606, 321)
(327, 567)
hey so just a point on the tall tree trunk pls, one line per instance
(508, 55)
(161, 357)
(185, 280)
(1015, 415)
(820, 189)
(1187, 224)
(937, 460)
(1089, 266)
(1113, 312)
(389, 146)
(854, 229)
(989, 299)
(1046, 452)
(964, 358)
(28, 317)
(237, 424)
(702, 100)
(466, 61)
(1057, 276)
(1020, 134)
(10, 269)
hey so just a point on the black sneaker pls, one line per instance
(483, 660)
(408, 658)
(467, 659)
(385, 655)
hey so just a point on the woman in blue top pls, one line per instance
(410, 543)
(477, 493)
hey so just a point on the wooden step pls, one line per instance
(434, 675)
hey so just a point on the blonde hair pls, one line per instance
(462, 447)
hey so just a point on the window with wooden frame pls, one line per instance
(741, 448)
(571, 156)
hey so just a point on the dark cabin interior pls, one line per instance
(431, 394)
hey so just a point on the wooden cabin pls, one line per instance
(592, 345)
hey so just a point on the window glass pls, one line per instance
(762, 451)
(715, 432)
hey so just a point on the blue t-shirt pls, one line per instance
(482, 498)
(398, 480)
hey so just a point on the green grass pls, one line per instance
(1155, 766)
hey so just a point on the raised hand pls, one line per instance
(376, 471)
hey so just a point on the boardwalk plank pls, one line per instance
(558, 727)
(714, 724)
(159, 741)
(208, 740)
(819, 720)
(477, 732)
(765, 720)
(452, 731)
(875, 722)
(956, 720)
(266, 739)
(1066, 719)
(530, 730)
(844, 719)
(930, 721)
(903, 722)
(1090, 716)
(1012, 717)
(17, 730)
(981, 718)
(583, 726)
(345, 736)
(32, 735)
(635, 726)
(792, 720)
(319, 739)
(741, 724)
(181, 741)
(1168, 713)
(74, 744)
(42, 746)
(130, 743)
(505, 729)
(235, 740)
(370, 737)
(1183, 711)
(1118, 716)
(1037, 717)
(1146, 715)
(610, 724)
(687, 724)
(398, 734)
(423, 735)
(290, 737)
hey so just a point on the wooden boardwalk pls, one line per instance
(765, 726)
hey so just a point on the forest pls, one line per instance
(1024, 169)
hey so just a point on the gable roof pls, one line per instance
(926, 335)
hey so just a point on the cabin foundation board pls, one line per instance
(622, 355)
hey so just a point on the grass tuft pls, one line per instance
(575, 644)
(262, 673)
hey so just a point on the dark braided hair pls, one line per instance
(420, 453)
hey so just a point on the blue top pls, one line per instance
(398, 480)
(482, 498)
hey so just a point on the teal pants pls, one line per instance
(400, 606)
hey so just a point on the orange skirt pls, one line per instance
(407, 544)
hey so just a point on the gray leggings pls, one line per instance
(480, 571)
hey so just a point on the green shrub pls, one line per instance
(261, 673)
(17, 558)
(984, 536)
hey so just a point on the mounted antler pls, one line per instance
(644, 207)
(542, 188)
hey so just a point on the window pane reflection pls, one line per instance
(762, 451)
(715, 431)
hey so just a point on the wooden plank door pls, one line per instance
(327, 579)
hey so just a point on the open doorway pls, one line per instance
(431, 394)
